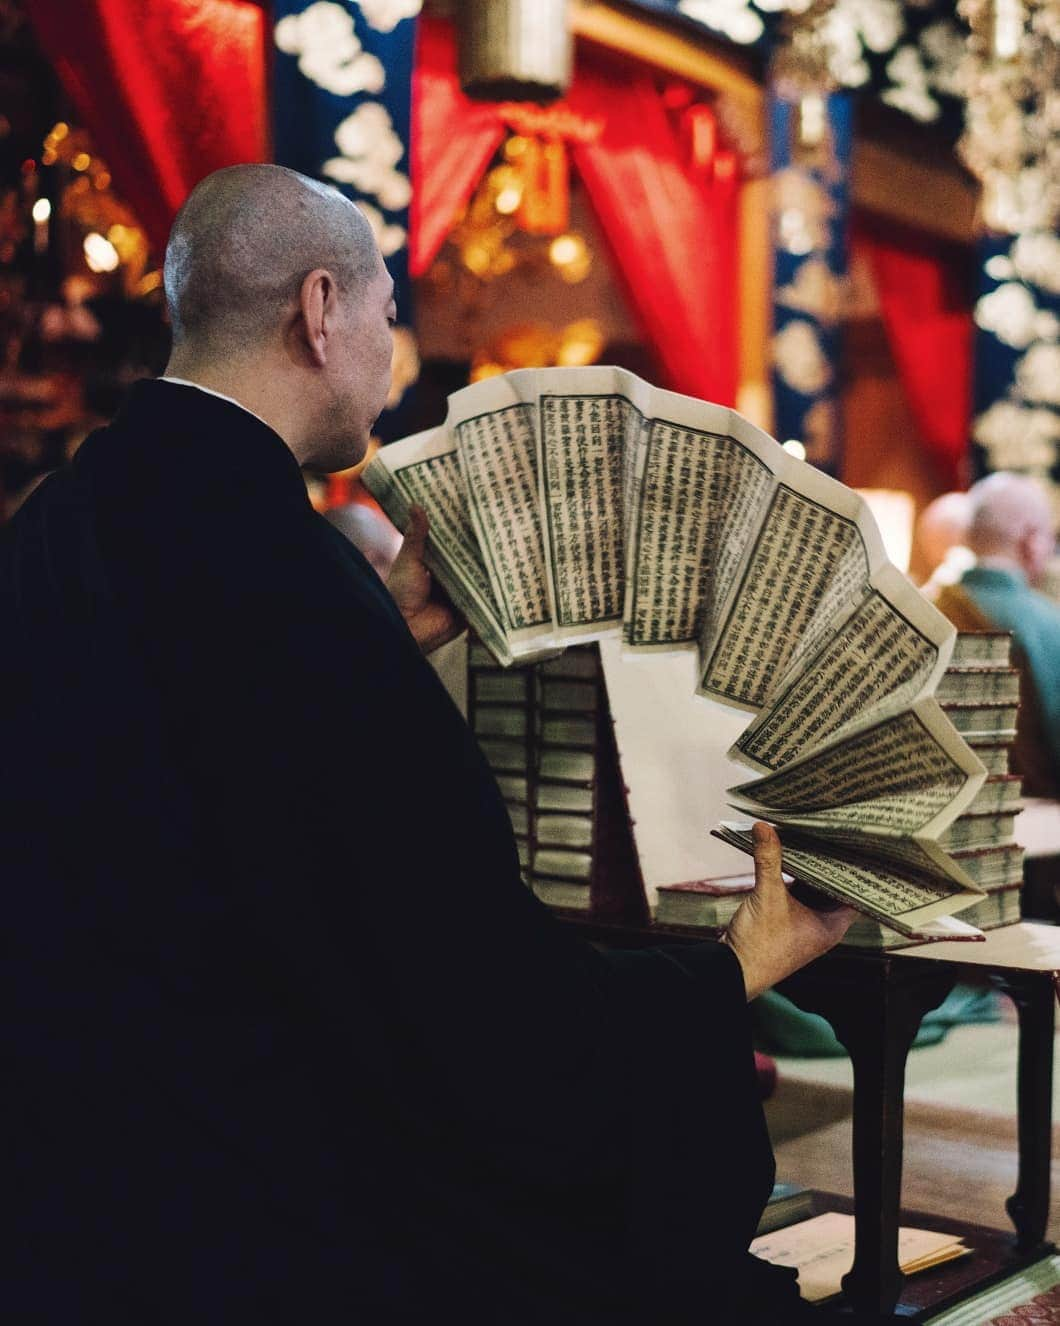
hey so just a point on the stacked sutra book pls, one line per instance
(580, 505)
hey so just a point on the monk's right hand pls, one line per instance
(773, 934)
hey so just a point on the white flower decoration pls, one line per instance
(911, 91)
(1010, 314)
(943, 47)
(734, 18)
(1018, 437)
(804, 211)
(1038, 375)
(385, 15)
(815, 290)
(389, 237)
(329, 52)
(1036, 258)
(799, 358)
(370, 150)
(851, 27)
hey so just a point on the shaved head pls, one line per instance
(241, 246)
(943, 524)
(1011, 517)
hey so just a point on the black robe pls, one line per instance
(286, 1038)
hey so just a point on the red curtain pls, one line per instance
(453, 141)
(669, 217)
(168, 91)
(671, 227)
(925, 290)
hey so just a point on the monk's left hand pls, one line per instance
(429, 615)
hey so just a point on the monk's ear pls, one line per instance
(316, 308)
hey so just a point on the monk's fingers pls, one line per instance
(767, 856)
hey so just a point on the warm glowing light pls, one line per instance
(59, 131)
(42, 209)
(894, 511)
(795, 448)
(102, 180)
(508, 200)
(100, 253)
(570, 254)
(48, 157)
(82, 161)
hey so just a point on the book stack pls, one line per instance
(979, 693)
(981, 682)
(501, 714)
(537, 727)
(569, 698)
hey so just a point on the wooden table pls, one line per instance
(875, 1002)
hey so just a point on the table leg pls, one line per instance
(877, 1022)
(1028, 1207)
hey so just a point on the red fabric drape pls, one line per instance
(672, 232)
(925, 291)
(168, 91)
(453, 141)
(670, 223)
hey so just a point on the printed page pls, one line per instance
(588, 422)
(890, 649)
(906, 774)
(424, 470)
(689, 478)
(813, 555)
(899, 895)
(494, 425)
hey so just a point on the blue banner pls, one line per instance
(342, 89)
(810, 152)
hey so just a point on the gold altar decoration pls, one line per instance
(526, 196)
(518, 50)
(537, 345)
(1010, 77)
(111, 238)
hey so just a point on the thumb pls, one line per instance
(415, 533)
(767, 856)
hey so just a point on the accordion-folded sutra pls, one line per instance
(570, 504)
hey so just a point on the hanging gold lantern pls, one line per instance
(515, 50)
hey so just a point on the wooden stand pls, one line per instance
(875, 1002)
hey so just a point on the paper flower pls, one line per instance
(911, 90)
(1010, 314)
(1018, 437)
(1038, 375)
(1036, 258)
(735, 19)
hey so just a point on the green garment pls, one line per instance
(1034, 620)
(782, 1028)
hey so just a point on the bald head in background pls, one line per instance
(1010, 522)
(278, 297)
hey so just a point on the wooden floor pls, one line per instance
(959, 1161)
